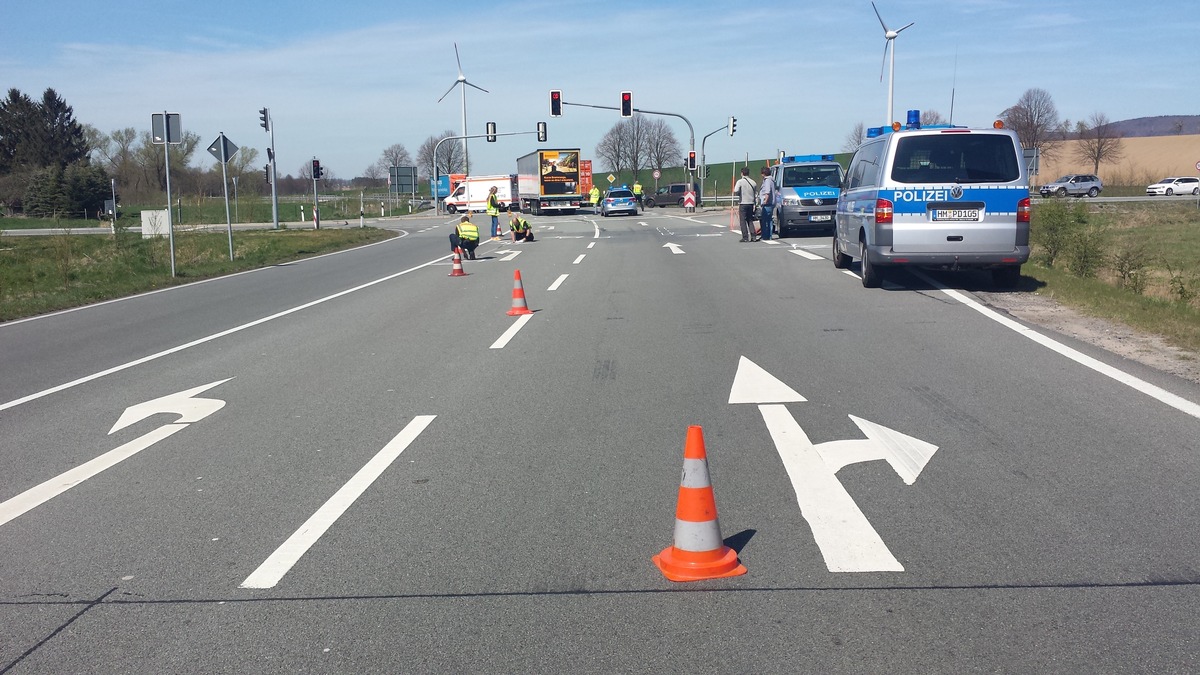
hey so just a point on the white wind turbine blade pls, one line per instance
(459, 62)
(476, 86)
(448, 91)
(900, 29)
(883, 63)
(881, 23)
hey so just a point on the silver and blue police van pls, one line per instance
(808, 186)
(944, 197)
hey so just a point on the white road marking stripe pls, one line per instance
(579, 259)
(210, 338)
(591, 244)
(1153, 391)
(557, 282)
(512, 331)
(40, 494)
(289, 553)
(806, 254)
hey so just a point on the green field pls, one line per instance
(46, 273)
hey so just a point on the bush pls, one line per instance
(1130, 265)
(1086, 250)
(1054, 225)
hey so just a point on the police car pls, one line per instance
(619, 200)
(809, 186)
(945, 197)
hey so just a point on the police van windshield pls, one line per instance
(956, 158)
(800, 176)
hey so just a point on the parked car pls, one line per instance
(619, 200)
(671, 194)
(1181, 185)
(1073, 184)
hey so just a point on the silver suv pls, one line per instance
(1074, 184)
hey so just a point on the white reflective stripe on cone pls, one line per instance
(697, 537)
(695, 474)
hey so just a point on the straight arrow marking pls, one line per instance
(752, 384)
(272, 570)
(675, 248)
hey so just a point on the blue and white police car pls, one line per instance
(940, 196)
(808, 186)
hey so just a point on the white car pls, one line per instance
(1182, 185)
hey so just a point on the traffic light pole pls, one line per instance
(691, 131)
(270, 128)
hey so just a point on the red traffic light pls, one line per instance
(556, 103)
(627, 104)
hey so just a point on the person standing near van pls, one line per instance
(743, 190)
(766, 200)
(637, 194)
(493, 210)
(595, 195)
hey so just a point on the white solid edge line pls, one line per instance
(289, 552)
(81, 308)
(511, 332)
(1151, 390)
(167, 352)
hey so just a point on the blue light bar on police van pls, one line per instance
(807, 158)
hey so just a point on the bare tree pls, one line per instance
(1099, 142)
(450, 155)
(661, 147)
(613, 148)
(1035, 119)
(394, 155)
(930, 117)
(854, 138)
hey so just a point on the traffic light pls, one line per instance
(556, 103)
(264, 119)
(541, 126)
(267, 173)
(732, 125)
(316, 169)
(691, 163)
(627, 104)
(491, 132)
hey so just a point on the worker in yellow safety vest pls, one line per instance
(519, 226)
(637, 194)
(493, 210)
(465, 236)
(595, 197)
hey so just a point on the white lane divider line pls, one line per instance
(806, 254)
(557, 282)
(512, 331)
(289, 553)
(579, 259)
(591, 244)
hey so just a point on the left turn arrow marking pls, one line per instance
(182, 403)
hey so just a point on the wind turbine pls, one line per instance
(462, 80)
(889, 40)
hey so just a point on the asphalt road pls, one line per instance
(369, 466)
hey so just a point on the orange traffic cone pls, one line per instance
(518, 305)
(698, 552)
(457, 269)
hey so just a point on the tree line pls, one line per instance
(1035, 119)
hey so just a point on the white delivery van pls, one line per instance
(940, 197)
(472, 193)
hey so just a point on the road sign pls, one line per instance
(611, 178)
(214, 149)
(1198, 166)
(657, 174)
(170, 132)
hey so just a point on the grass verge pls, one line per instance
(45, 274)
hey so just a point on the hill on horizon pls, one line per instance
(1161, 125)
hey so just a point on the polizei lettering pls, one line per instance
(922, 195)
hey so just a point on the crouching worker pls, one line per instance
(520, 227)
(466, 236)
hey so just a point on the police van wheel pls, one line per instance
(870, 274)
(840, 260)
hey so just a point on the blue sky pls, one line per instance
(345, 80)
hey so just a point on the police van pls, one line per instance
(945, 197)
(808, 187)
